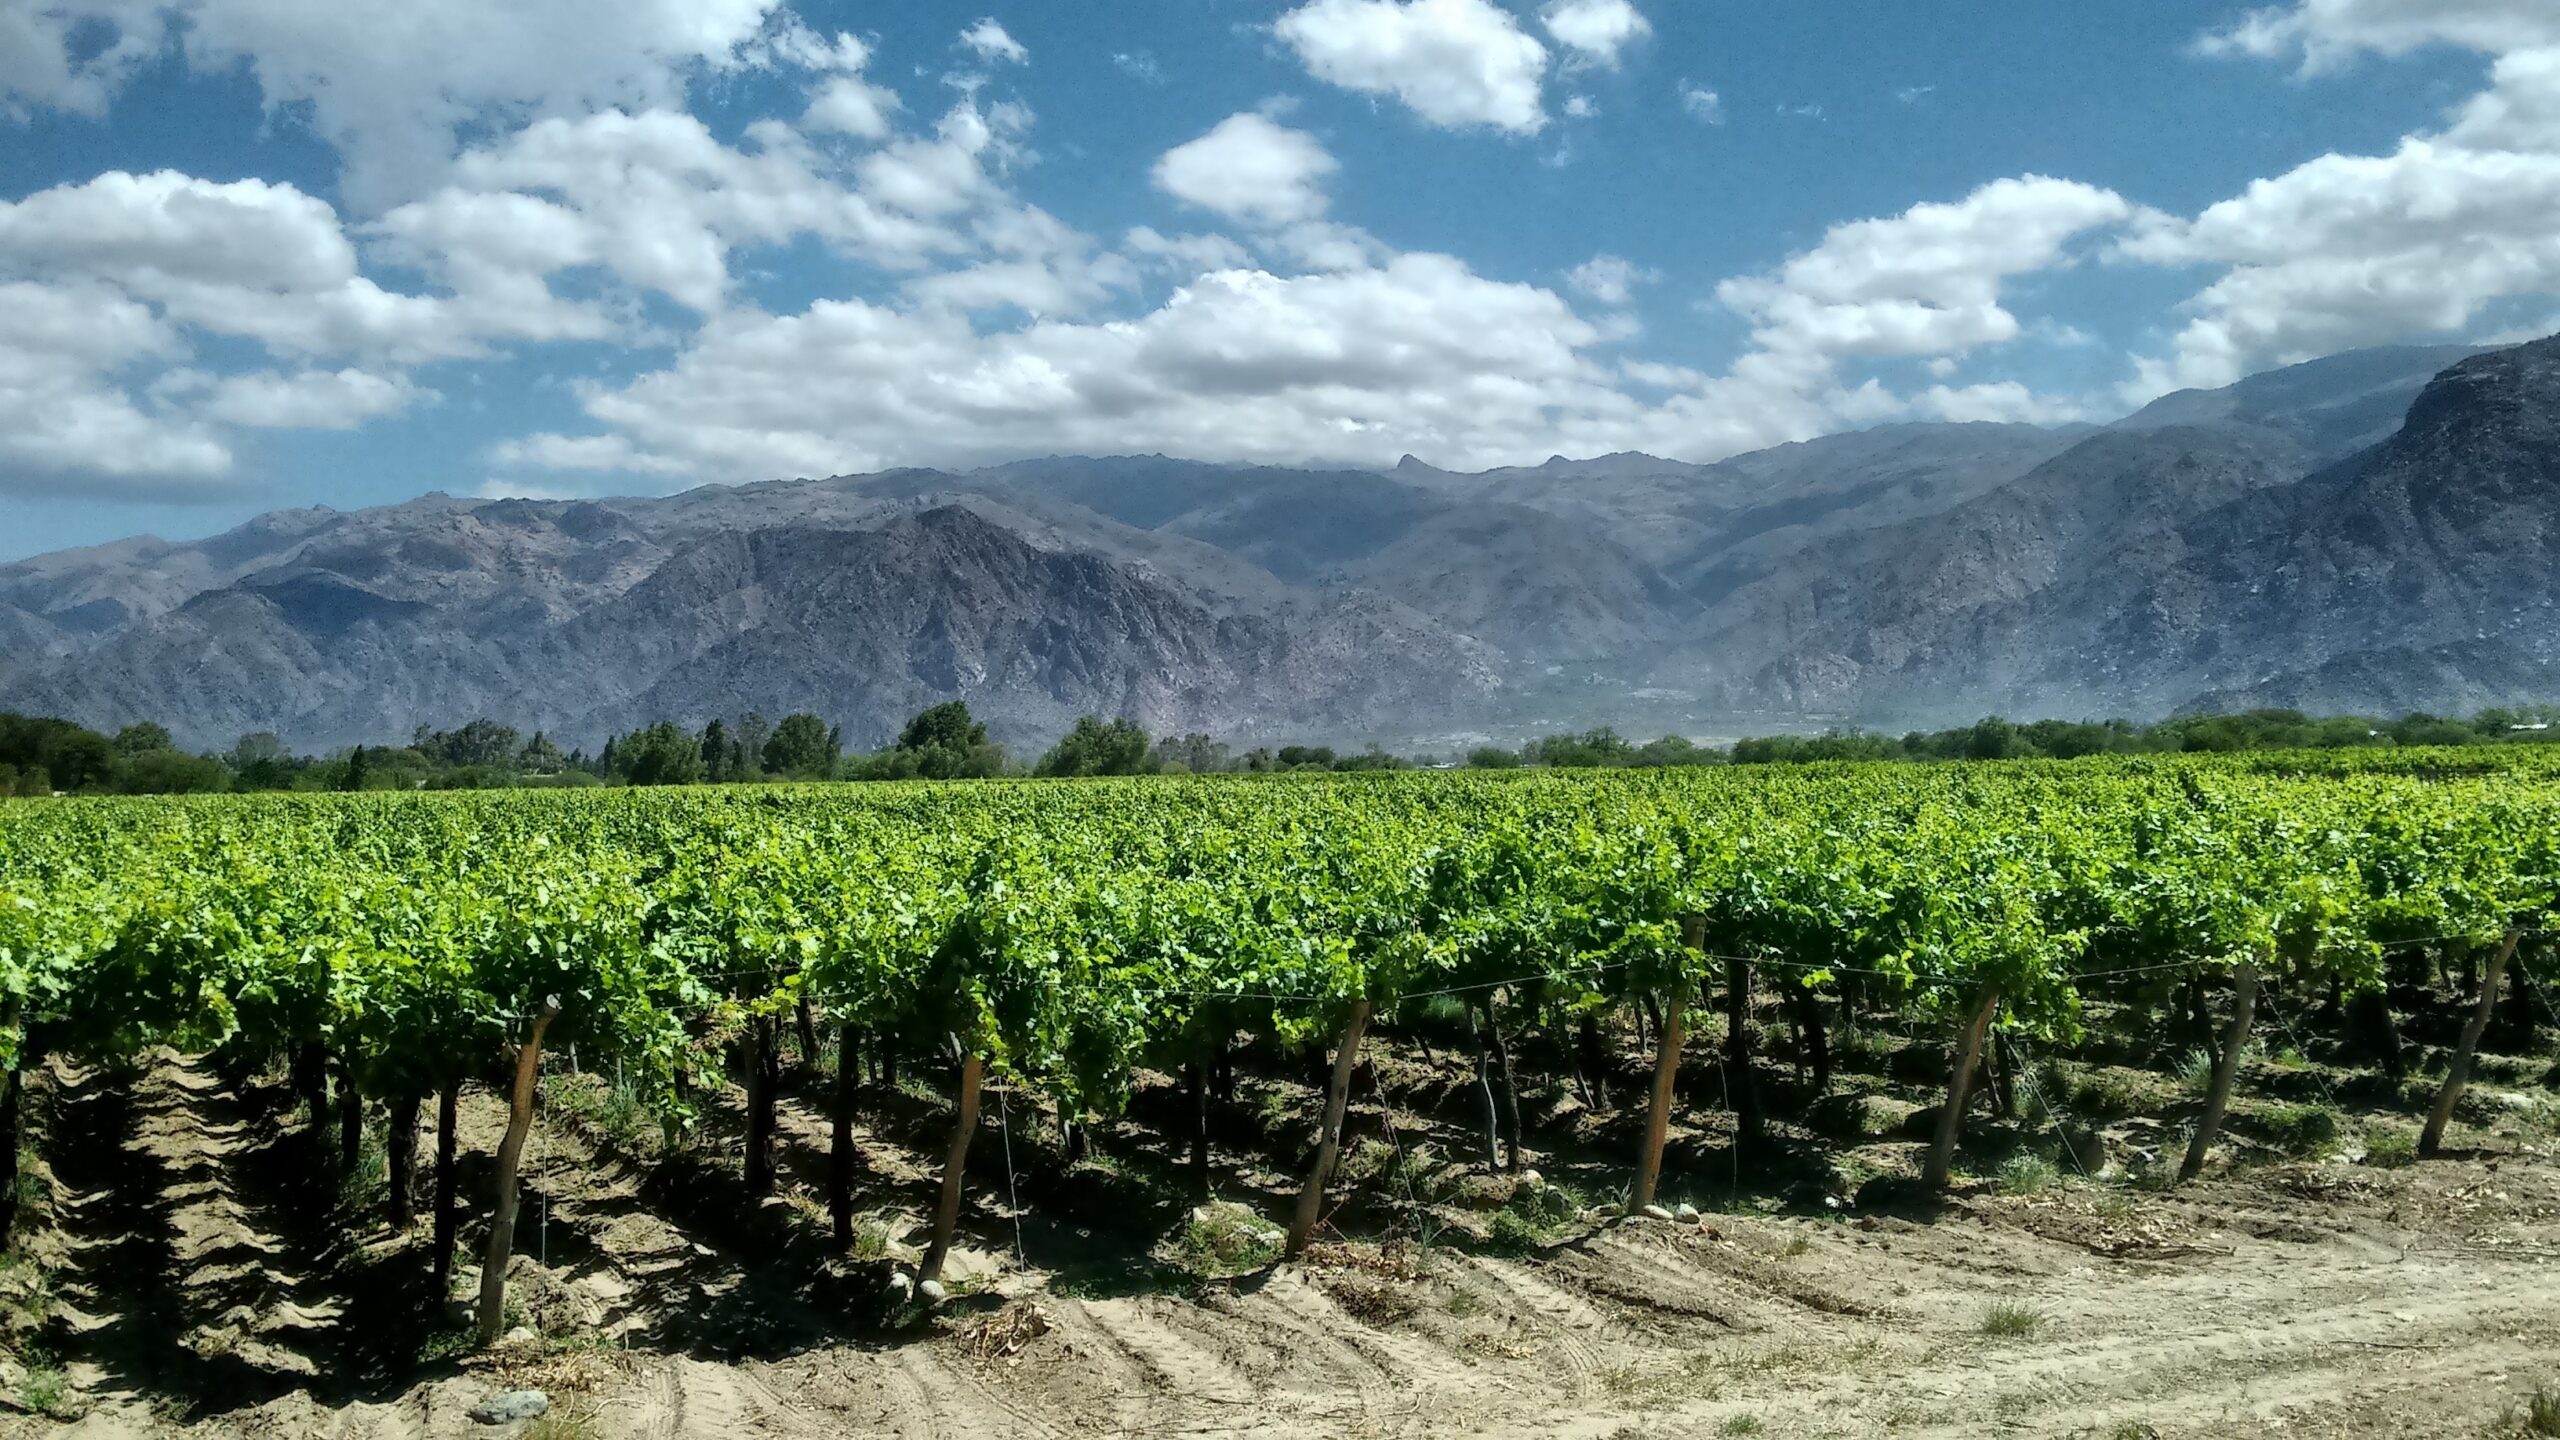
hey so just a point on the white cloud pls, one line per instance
(2004, 401)
(1186, 255)
(391, 83)
(1251, 169)
(850, 106)
(1456, 63)
(1609, 279)
(989, 40)
(65, 417)
(1704, 105)
(2328, 33)
(1581, 107)
(1596, 30)
(1420, 355)
(307, 400)
(2349, 250)
(37, 65)
(1925, 282)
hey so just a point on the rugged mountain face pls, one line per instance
(2162, 566)
(2287, 540)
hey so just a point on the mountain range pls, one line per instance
(2370, 532)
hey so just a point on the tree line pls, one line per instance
(45, 755)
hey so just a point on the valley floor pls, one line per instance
(192, 1298)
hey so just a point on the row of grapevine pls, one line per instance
(1057, 937)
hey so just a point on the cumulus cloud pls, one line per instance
(1925, 282)
(302, 400)
(1702, 104)
(391, 84)
(65, 414)
(988, 41)
(1420, 354)
(2325, 34)
(1595, 30)
(2347, 250)
(1609, 279)
(1456, 63)
(1250, 168)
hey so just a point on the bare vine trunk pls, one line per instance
(955, 1166)
(448, 1104)
(2431, 1140)
(840, 1136)
(502, 1224)
(2244, 1001)
(401, 1159)
(1337, 1099)
(1942, 1152)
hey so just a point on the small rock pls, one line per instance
(902, 1285)
(1686, 1214)
(932, 1292)
(1532, 1179)
(510, 1406)
(1654, 1212)
(521, 1335)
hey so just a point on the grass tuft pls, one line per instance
(2026, 1172)
(2010, 1320)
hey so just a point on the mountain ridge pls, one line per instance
(1900, 573)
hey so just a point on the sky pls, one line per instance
(258, 254)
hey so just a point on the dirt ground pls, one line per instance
(194, 1293)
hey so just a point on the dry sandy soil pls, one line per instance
(2295, 1298)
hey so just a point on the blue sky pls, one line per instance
(260, 253)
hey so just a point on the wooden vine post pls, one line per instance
(1942, 1151)
(1666, 1074)
(2226, 1066)
(502, 1225)
(1337, 1099)
(955, 1166)
(2457, 1075)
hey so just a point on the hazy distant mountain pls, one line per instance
(2284, 540)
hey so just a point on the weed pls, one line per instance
(44, 1390)
(1536, 1216)
(1741, 1425)
(2536, 1416)
(2290, 1058)
(2117, 1204)
(872, 1236)
(1800, 1245)
(2026, 1172)
(2301, 1129)
(2107, 1096)
(1226, 1239)
(2386, 1149)
(561, 1424)
(1464, 1304)
(2010, 1320)
(2195, 1070)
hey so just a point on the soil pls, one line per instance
(205, 1277)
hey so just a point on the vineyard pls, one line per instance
(311, 1100)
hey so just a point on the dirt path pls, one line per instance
(2298, 1299)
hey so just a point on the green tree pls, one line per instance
(144, 738)
(942, 743)
(663, 754)
(800, 746)
(1094, 747)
